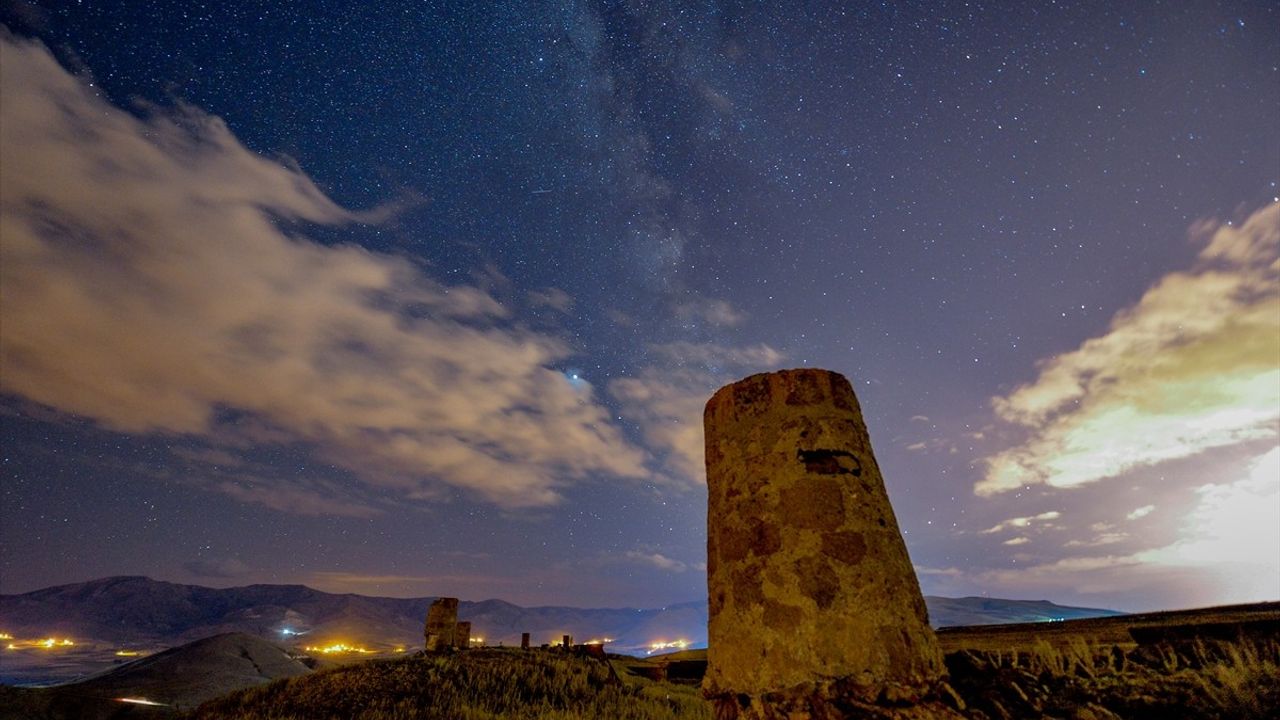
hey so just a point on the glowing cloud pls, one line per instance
(1235, 525)
(155, 278)
(1191, 367)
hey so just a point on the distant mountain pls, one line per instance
(176, 679)
(138, 610)
(950, 612)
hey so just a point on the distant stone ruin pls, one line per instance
(462, 635)
(524, 641)
(442, 622)
(815, 611)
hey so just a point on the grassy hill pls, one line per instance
(176, 679)
(477, 685)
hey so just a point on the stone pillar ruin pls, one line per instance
(462, 635)
(442, 620)
(524, 641)
(567, 642)
(815, 610)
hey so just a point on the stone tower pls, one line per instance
(815, 611)
(442, 620)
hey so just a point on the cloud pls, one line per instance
(464, 585)
(660, 561)
(1190, 367)
(924, 571)
(1106, 538)
(1141, 512)
(297, 496)
(1017, 541)
(666, 400)
(1235, 525)
(157, 279)
(715, 356)
(1022, 522)
(551, 297)
(709, 310)
(667, 405)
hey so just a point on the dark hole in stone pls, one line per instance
(830, 462)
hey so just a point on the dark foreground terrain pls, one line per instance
(1213, 664)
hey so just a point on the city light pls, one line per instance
(46, 643)
(138, 701)
(338, 648)
(663, 645)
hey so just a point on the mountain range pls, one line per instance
(139, 611)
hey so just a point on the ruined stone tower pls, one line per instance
(442, 620)
(462, 635)
(815, 611)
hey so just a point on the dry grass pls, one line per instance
(1078, 679)
(1197, 680)
(478, 685)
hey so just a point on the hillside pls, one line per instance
(176, 679)
(1208, 664)
(493, 683)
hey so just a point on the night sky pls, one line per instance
(416, 298)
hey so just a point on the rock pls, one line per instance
(815, 610)
(1094, 712)
(442, 620)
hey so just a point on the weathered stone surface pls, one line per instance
(524, 641)
(815, 607)
(462, 635)
(442, 621)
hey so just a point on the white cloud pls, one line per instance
(1234, 525)
(152, 283)
(658, 560)
(1020, 540)
(667, 404)
(666, 400)
(1191, 367)
(1141, 512)
(1105, 538)
(1022, 522)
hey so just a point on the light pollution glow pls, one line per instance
(664, 645)
(48, 643)
(339, 648)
